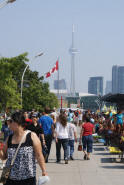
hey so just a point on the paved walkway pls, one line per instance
(97, 171)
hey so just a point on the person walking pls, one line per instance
(86, 137)
(62, 137)
(119, 118)
(80, 116)
(5, 130)
(36, 127)
(23, 171)
(28, 121)
(72, 139)
(48, 127)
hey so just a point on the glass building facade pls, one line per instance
(59, 84)
(95, 85)
(118, 79)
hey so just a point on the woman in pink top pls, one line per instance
(87, 139)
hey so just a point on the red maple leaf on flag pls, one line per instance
(48, 74)
(55, 68)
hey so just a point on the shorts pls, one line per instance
(87, 143)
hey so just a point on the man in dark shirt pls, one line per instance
(37, 128)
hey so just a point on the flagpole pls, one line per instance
(58, 78)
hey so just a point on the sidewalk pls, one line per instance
(97, 171)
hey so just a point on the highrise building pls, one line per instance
(95, 85)
(118, 79)
(114, 79)
(121, 79)
(59, 84)
(108, 88)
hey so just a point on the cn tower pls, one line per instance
(73, 52)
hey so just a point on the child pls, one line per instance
(72, 138)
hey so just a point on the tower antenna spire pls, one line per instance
(72, 52)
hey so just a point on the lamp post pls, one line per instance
(5, 2)
(22, 79)
(99, 102)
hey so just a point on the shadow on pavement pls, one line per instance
(106, 160)
(113, 167)
(102, 154)
(98, 145)
(62, 160)
(99, 149)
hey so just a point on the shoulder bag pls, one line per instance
(80, 146)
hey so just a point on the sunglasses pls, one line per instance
(10, 121)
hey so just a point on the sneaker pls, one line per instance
(85, 157)
(66, 161)
(58, 161)
(88, 158)
(71, 158)
(46, 160)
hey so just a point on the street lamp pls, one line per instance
(5, 2)
(22, 80)
(98, 103)
(11, 1)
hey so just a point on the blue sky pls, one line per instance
(44, 25)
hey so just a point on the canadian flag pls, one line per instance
(54, 69)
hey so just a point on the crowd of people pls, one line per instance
(60, 127)
(111, 128)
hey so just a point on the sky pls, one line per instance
(35, 26)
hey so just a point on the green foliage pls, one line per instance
(9, 97)
(36, 94)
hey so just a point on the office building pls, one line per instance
(118, 79)
(114, 79)
(95, 85)
(59, 84)
(121, 79)
(108, 88)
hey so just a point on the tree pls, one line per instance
(9, 96)
(36, 94)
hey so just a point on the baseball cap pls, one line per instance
(34, 115)
(8, 118)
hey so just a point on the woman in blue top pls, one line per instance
(5, 130)
(119, 118)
